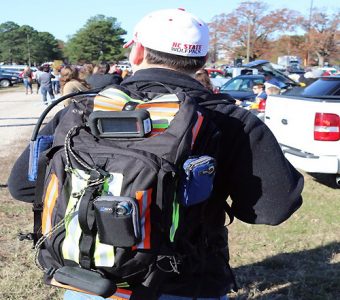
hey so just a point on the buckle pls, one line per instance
(26, 236)
(37, 207)
(50, 272)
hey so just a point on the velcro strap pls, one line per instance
(86, 221)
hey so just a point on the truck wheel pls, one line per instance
(5, 83)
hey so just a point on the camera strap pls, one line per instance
(86, 222)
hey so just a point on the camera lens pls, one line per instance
(123, 208)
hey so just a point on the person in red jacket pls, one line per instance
(27, 76)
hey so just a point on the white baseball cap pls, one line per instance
(272, 83)
(173, 31)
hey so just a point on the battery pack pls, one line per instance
(85, 280)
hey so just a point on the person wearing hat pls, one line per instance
(167, 48)
(272, 87)
(270, 77)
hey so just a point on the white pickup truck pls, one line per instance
(307, 126)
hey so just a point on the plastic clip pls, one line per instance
(25, 236)
(37, 207)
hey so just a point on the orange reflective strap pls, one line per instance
(162, 110)
(196, 128)
(50, 198)
(121, 294)
(144, 202)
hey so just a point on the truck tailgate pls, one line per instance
(291, 119)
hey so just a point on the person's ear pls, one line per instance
(137, 54)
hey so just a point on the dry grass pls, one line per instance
(299, 259)
(19, 278)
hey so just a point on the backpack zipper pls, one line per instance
(198, 162)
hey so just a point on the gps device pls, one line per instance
(123, 124)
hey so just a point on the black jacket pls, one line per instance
(263, 186)
(100, 81)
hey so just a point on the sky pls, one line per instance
(63, 18)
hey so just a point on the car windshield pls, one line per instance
(240, 84)
(233, 85)
(323, 87)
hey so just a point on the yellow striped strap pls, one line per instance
(162, 109)
(112, 99)
(103, 254)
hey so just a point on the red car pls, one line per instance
(215, 72)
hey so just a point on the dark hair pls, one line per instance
(46, 68)
(103, 68)
(177, 62)
(69, 73)
(203, 77)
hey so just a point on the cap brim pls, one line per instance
(128, 44)
(268, 84)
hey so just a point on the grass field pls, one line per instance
(299, 259)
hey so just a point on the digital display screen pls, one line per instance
(126, 125)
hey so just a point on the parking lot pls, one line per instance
(18, 115)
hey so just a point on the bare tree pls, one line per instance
(288, 45)
(323, 35)
(250, 28)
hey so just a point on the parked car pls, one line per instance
(240, 87)
(264, 66)
(217, 77)
(212, 72)
(326, 71)
(241, 70)
(295, 69)
(8, 79)
(15, 69)
(307, 126)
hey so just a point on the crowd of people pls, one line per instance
(62, 80)
(66, 79)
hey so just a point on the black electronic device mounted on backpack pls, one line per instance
(85, 280)
(124, 124)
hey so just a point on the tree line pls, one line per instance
(252, 31)
(25, 45)
(100, 39)
(255, 31)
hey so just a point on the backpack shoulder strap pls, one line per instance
(53, 104)
(211, 105)
(38, 200)
(216, 99)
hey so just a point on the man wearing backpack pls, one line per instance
(168, 47)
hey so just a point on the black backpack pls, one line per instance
(120, 193)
